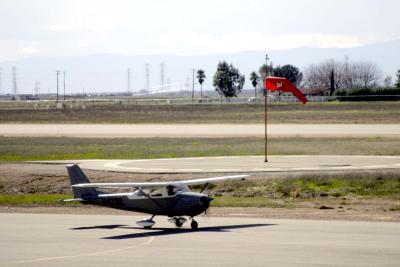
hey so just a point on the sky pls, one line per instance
(54, 28)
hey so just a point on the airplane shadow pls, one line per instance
(110, 226)
(167, 231)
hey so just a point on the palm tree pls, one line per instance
(201, 76)
(254, 78)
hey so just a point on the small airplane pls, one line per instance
(172, 199)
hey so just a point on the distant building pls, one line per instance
(25, 97)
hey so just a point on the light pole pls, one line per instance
(193, 85)
(58, 72)
(64, 86)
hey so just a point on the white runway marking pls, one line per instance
(108, 251)
(196, 130)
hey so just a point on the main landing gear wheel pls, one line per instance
(178, 224)
(194, 225)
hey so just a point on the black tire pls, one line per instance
(194, 225)
(178, 224)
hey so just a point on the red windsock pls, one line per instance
(284, 85)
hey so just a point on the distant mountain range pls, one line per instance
(108, 72)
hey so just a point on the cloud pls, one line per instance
(194, 43)
(184, 27)
(76, 24)
(28, 50)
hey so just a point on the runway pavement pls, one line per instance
(243, 164)
(104, 240)
(198, 130)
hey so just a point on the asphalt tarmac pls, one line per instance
(104, 240)
(198, 130)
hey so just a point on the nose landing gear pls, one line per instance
(179, 221)
(194, 225)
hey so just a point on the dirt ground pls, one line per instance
(45, 178)
(53, 178)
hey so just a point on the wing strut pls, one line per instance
(204, 187)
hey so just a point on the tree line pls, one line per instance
(329, 77)
(337, 75)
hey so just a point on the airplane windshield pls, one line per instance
(165, 191)
(170, 190)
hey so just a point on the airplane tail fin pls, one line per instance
(77, 176)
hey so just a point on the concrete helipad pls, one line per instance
(243, 164)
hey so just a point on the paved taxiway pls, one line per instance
(247, 164)
(198, 130)
(103, 240)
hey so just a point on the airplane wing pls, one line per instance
(214, 180)
(164, 184)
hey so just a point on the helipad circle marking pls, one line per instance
(285, 163)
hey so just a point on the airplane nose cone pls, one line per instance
(206, 200)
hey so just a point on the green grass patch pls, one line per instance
(327, 186)
(272, 193)
(39, 148)
(256, 202)
(35, 199)
(330, 112)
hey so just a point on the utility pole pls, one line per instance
(14, 81)
(1, 83)
(37, 88)
(162, 75)
(128, 80)
(64, 84)
(147, 77)
(57, 72)
(187, 84)
(193, 85)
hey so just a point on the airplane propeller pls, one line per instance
(208, 194)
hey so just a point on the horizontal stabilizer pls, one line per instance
(73, 199)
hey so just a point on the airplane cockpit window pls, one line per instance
(171, 190)
(159, 192)
(165, 191)
(141, 193)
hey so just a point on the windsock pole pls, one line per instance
(266, 131)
